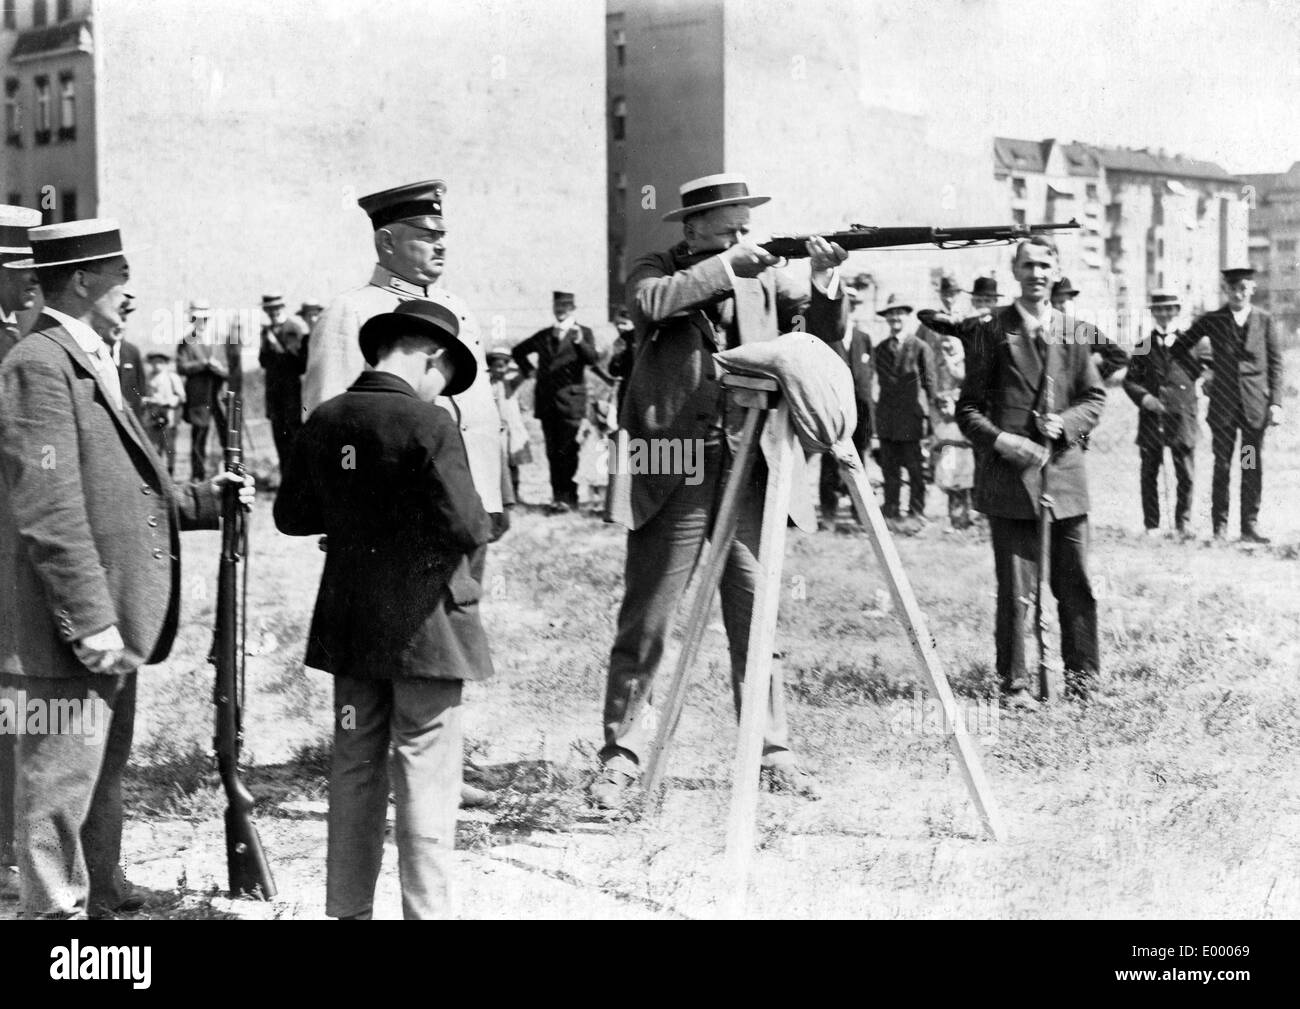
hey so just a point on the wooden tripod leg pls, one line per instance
(711, 566)
(757, 689)
(864, 503)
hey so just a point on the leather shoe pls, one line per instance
(1221, 534)
(1251, 535)
(1023, 699)
(611, 788)
(789, 779)
(138, 898)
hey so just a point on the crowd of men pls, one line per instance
(399, 451)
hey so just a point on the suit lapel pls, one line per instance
(749, 299)
(73, 349)
(1024, 358)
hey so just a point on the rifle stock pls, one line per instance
(861, 236)
(249, 871)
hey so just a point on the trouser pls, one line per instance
(1223, 440)
(163, 439)
(199, 445)
(830, 484)
(8, 774)
(418, 721)
(1153, 457)
(1015, 561)
(959, 508)
(69, 794)
(896, 456)
(561, 436)
(285, 416)
(660, 558)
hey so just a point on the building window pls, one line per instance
(13, 114)
(40, 14)
(43, 110)
(15, 199)
(1017, 217)
(64, 10)
(69, 204)
(1018, 189)
(620, 119)
(620, 47)
(67, 107)
(1090, 191)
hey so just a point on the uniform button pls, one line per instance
(152, 520)
(146, 489)
(157, 555)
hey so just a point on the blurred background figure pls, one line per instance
(283, 360)
(127, 360)
(164, 396)
(515, 448)
(904, 371)
(200, 361)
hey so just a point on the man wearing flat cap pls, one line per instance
(396, 620)
(1245, 396)
(564, 352)
(282, 357)
(713, 290)
(96, 526)
(19, 293)
(1162, 383)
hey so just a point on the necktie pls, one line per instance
(103, 359)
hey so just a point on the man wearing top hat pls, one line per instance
(564, 352)
(96, 523)
(1029, 397)
(396, 621)
(18, 294)
(712, 290)
(199, 361)
(282, 359)
(904, 369)
(1162, 382)
(1245, 396)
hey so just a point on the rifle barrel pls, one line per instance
(861, 237)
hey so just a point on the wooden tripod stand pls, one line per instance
(760, 398)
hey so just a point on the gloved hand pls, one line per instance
(1021, 452)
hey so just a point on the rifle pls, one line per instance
(245, 860)
(861, 236)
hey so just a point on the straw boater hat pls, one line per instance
(73, 242)
(724, 190)
(1159, 298)
(894, 304)
(273, 301)
(14, 222)
(310, 304)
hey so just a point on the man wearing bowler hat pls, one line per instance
(410, 241)
(396, 620)
(18, 294)
(564, 352)
(282, 359)
(96, 523)
(713, 290)
(1245, 396)
(1162, 382)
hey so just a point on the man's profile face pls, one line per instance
(437, 373)
(718, 229)
(497, 368)
(1033, 269)
(895, 320)
(415, 252)
(18, 289)
(1164, 315)
(105, 288)
(310, 316)
(275, 314)
(1239, 292)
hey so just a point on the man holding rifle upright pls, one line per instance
(1030, 395)
(713, 290)
(93, 521)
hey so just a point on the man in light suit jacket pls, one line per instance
(95, 524)
(1245, 396)
(711, 291)
(1022, 438)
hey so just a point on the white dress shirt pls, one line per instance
(98, 350)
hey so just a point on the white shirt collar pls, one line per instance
(1240, 317)
(1035, 321)
(566, 325)
(87, 339)
(8, 318)
(383, 277)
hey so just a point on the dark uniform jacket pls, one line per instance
(858, 357)
(561, 391)
(130, 374)
(93, 519)
(1169, 374)
(384, 476)
(1004, 385)
(1247, 373)
(904, 370)
(674, 390)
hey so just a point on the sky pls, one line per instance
(1217, 80)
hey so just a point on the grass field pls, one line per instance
(1172, 794)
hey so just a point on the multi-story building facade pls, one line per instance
(1274, 202)
(233, 139)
